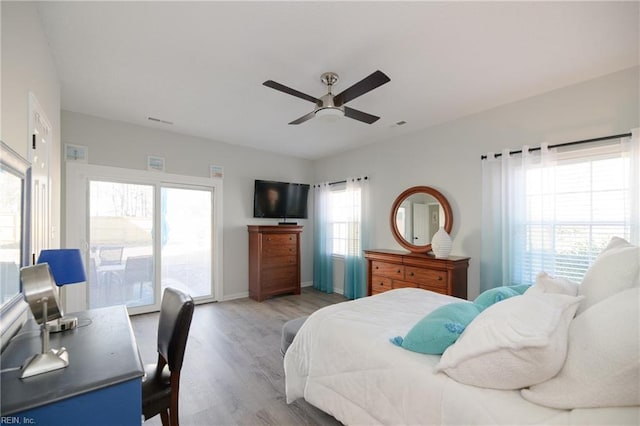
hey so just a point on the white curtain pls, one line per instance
(358, 227)
(631, 146)
(554, 210)
(503, 206)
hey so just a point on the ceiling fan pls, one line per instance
(331, 104)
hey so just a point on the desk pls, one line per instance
(101, 385)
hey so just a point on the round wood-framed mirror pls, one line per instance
(416, 215)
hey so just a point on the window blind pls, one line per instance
(573, 207)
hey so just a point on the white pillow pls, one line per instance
(513, 344)
(546, 283)
(603, 360)
(616, 268)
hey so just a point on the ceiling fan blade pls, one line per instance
(360, 116)
(365, 85)
(290, 91)
(304, 118)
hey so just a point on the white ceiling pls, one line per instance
(201, 65)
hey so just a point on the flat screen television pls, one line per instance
(280, 200)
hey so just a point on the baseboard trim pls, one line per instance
(338, 290)
(241, 295)
(244, 294)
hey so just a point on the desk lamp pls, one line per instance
(67, 268)
(41, 294)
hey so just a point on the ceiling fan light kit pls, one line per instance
(331, 105)
(329, 114)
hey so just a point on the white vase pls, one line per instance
(441, 244)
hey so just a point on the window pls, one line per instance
(554, 210)
(344, 220)
(573, 208)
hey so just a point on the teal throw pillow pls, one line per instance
(434, 333)
(494, 295)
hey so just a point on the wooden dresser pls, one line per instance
(274, 260)
(389, 269)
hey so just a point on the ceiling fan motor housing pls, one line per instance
(326, 102)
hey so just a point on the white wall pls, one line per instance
(27, 66)
(118, 144)
(447, 156)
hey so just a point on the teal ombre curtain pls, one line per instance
(322, 240)
(502, 191)
(358, 227)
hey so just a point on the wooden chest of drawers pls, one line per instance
(389, 269)
(274, 260)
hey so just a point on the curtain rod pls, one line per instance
(343, 181)
(603, 138)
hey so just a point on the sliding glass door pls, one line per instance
(121, 244)
(186, 239)
(145, 237)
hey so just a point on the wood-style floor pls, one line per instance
(233, 372)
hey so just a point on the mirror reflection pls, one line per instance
(13, 207)
(418, 217)
(10, 228)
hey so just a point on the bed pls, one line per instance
(342, 361)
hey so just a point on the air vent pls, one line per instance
(159, 120)
(398, 123)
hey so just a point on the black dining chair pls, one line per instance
(160, 387)
(138, 270)
(110, 255)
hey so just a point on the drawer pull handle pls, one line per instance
(377, 267)
(439, 277)
(398, 271)
(411, 274)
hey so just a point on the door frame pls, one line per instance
(42, 231)
(420, 225)
(78, 175)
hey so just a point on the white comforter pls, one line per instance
(342, 362)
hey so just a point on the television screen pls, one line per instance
(280, 200)
(297, 201)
